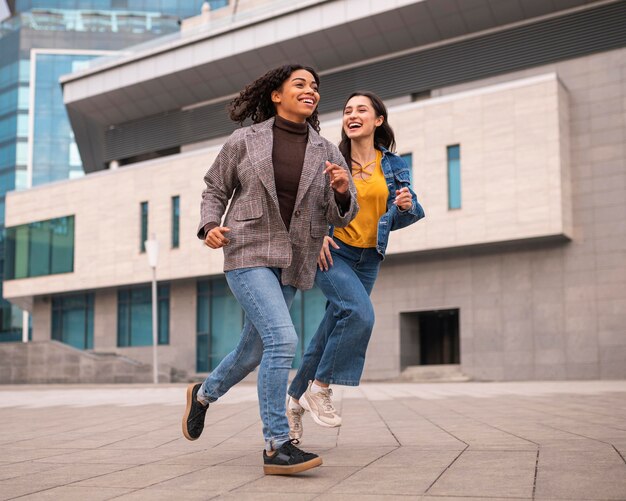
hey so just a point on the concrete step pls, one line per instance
(433, 373)
(55, 362)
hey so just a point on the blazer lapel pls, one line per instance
(259, 143)
(313, 166)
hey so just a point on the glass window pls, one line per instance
(54, 155)
(72, 320)
(454, 177)
(10, 322)
(143, 211)
(307, 312)
(40, 248)
(175, 222)
(220, 320)
(134, 315)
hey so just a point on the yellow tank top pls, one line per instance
(372, 194)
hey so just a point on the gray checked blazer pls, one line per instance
(243, 170)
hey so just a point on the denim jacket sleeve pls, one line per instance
(403, 218)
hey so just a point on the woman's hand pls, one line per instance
(325, 260)
(338, 177)
(403, 200)
(215, 237)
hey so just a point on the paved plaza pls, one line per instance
(446, 441)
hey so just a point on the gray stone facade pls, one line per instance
(533, 311)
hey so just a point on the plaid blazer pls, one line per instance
(258, 236)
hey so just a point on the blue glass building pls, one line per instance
(39, 42)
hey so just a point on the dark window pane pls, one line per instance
(72, 320)
(144, 225)
(39, 251)
(175, 221)
(62, 245)
(135, 316)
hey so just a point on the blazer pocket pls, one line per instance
(248, 209)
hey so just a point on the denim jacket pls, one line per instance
(397, 176)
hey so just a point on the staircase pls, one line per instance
(433, 374)
(44, 362)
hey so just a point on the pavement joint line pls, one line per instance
(445, 470)
(552, 413)
(255, 423)
(386, 424)
(357, 471)
(490, 425)
(536, 473)
(435, 424)
(619, 453)
(66, 431)
(579, 435)
(68, 484)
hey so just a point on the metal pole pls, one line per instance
(155, 329)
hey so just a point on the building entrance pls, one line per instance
(429, 338)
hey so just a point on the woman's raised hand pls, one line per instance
(338, 177)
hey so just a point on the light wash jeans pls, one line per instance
(269, 338)
(336, 354)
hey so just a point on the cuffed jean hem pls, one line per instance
(274, 443)
(332, 381)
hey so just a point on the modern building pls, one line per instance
(512, 114)
(39, 42)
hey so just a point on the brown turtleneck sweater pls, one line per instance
(290, 140)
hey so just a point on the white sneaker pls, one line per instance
(294, 416)
(321, 407)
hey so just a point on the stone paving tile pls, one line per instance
(71, 493)
(353, 456)
(331, 496)
(9, 471)
(216, 479)
(11, 491)
(316, 480)
(137, 477)
(64, 474)
(14, 454)
(489, 474)
(390, 475)
(465, 441)
(154, 494)
(581, 475)
(109, 456)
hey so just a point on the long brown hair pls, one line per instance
(255, 101)
(383, 135)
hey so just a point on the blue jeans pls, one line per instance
(336, 354)
(268, 338)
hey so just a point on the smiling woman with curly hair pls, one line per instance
(285, 185)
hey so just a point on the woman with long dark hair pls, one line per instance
(350, 259)
(285, 184)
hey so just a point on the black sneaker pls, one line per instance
(288, 460)
(193, 419)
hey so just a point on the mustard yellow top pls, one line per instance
(372, 194)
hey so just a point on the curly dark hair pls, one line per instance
(255, 101)
(383, 136)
